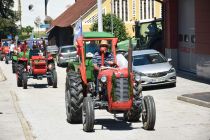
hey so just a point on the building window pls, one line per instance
(121, 9)
(193, 38)
(134, 8)
(186, 38)
(180, 37)
(141, 13)
(146, 9)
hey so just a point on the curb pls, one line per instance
(2, 76)
(194, 101)
(25, 125)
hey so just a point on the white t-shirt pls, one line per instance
(12, 46)
(121, 61)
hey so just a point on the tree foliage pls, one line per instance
(8, 17)
(27, 29)
(119, 29)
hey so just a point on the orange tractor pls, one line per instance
(115, 89)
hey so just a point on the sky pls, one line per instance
(54, 9)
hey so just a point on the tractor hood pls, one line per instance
(110, 71)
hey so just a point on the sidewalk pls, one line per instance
(199, 98)
(10, 124)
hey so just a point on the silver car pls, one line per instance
(64, 53)
(53, 50)
(153, 68)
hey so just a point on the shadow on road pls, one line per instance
(38, 85)
(157, 87)
(192, 77)
(112, 124)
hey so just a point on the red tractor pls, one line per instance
(34, 65)
(118, 90)
(5, 50)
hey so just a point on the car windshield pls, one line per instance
(146, 59)
(68, 49)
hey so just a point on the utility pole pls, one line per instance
(20, 13)
(100, 20)
(46, 1)
(112, 15)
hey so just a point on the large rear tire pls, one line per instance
(88, 115)
(74, 98)
(13, 67)
(25, 80)
(149, 113)
(19, 72)
(0, 57)
(54, 78)
(6, 59)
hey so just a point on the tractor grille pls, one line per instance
(122, 89)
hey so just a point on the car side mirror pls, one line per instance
(169, 60)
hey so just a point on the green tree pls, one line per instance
(8, 17)
(119, 29)
(28, 29)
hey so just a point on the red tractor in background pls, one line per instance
(5, 50)
(34, 65)
(119, 89)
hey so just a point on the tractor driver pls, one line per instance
(108, 57)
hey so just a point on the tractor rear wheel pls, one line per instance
(88, 114)
(149, 113)
(49, 81)
(25, 80)
(1, 57)
(19, 72)
(13, 67)
(6, 59)
(54, 78)
(74, 98)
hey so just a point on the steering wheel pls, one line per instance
(104, 68)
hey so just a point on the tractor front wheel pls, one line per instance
(88, 114)
(132, 115)
(74, 98)
(25, 80)
(149, 113)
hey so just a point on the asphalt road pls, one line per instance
(43, 108)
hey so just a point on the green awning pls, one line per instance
(123, 45)
(97, 35)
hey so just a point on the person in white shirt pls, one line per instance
(12, 46)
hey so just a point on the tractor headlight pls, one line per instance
(137, 78)
(103, 79)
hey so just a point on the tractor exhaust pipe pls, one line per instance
(130, 49)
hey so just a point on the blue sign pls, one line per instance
(9, 36)
(45, 26)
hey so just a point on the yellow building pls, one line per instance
(127, 10)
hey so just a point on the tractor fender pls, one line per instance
(82, 70)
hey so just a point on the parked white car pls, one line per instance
(153, 68)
